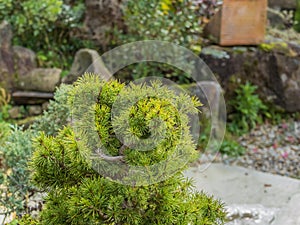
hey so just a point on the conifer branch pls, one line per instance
(109, 158)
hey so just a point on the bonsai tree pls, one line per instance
(71, 172)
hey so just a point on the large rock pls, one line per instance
(25, 60)
(15, 61)
(41, 79)
(5, 35)
(275, 69)
(86, 60)
(101, 16)
(283, 4)
(208, 92)
(6, 57)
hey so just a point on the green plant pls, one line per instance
(57, 114)
(29, 16)
(297, 17)
(14, 178)
(48, 27)
(4, 112)
(80, 195)
(4, 97)
(231, 147)
(4, 104)
(248, 109)
(57, 47)
(274, 46)
(177, 21)
(25, 220)
(4, 131)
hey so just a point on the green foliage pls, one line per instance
(100, 201)
(80, 195)
(4, 115)
(174, 21)
(57, 114)
(57, 47)
(4, 131)
(4, 97)
(231, 147)
(297, 17)
(47, 27)
(14, 177)
(248, 109)
(57, 161)
(4, 105)
(25, 220)
(30, 17)
(274, 46)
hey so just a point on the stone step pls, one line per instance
(31, 97)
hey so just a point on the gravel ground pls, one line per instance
(270, 148)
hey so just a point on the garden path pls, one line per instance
(251, 197)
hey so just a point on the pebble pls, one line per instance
(272, 148)
(269, 148)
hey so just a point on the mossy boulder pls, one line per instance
(273, 66)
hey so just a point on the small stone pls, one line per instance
(35, 110)
(45, 106)
(14, 112)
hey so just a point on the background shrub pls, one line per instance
(4, 131)
(14, 177)
(179, 22)
(47, 27)
(57, 114)
(297, 17)
(30, 17)
(175, 21)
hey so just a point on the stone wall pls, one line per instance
(274, 68)
(20, 77)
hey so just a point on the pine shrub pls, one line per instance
(78, 194)
(57, 114)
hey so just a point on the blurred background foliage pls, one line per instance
(177, 21)
(47, 27)
(297, 17)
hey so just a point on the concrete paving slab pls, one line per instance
(239, 186)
